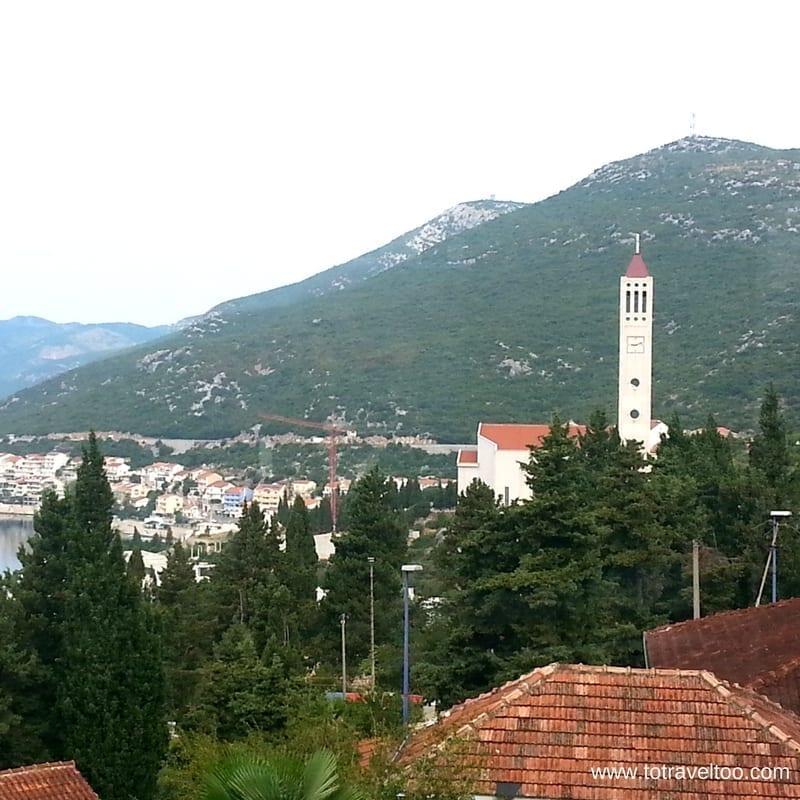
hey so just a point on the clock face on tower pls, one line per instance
(635, 344)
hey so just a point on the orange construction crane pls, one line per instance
(333, 429)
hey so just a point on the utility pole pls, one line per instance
(371, 561)
(696, 579)
(343, 623)
(772, 558)
(406, 569)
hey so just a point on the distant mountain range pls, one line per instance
(34, 349)
(494, 311)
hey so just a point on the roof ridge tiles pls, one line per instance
(713, 619)
(736, 696)
(37, 767)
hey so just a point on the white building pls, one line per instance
(117, 468)
(502, 450)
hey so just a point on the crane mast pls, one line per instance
(332, 429)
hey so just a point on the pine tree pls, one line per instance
(188, 621)
(460, 652)
(237, 693)
(245, 571)
(40, 591)
(136, 569)
(21, 741)
(769, 453)
(96, 641)
(299, 568)
(372, 530)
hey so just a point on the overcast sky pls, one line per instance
(157, 158)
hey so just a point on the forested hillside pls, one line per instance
(510, 320)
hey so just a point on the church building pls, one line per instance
(500, 447)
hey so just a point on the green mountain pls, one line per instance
(511, 319)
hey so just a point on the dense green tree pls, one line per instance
(136, 569)
(457, 652)
(115, 726)
(726, 506)
(95, 639)
(20, 740)
(284, 508)
(300, 561)
(576, 573)
(298, 572)
(769, 452)
(237, 693)
(188, 621)
(40, 591)
(321, 519)
(245, 569)
(371, 529)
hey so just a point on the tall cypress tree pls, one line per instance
(188, 622)
(96, 640)
(300, 560)
(40, 592)
(769, 453)
(245, 571)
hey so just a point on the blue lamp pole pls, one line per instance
(406, 569)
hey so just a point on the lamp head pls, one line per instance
(411, 568)
(780, 513)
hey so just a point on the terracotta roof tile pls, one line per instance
(467, 457)
(755, 647)
(56, 781)
(509, 436)
(548, 729)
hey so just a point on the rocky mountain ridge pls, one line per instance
(511, 319)
(33, 349)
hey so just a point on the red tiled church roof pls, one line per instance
(756, 647)
(56, 781)
(541, 735)
(511, 436)
(637, 268)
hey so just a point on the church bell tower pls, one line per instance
(635, 351)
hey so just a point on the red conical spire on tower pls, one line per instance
(637, 268)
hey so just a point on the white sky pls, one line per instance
(157, 158)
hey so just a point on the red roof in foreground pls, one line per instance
(57, 781)
(637, 268)
(755, 647)
(510, 436)
(542, 735)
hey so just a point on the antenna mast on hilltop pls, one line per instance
(692, 130)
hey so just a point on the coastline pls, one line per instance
(13, 510)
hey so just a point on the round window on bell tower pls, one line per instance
(634, 381)
(634, 414)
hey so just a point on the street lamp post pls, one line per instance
(371, 561)
(343, 623)
(406, 569)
